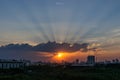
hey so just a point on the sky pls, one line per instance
(71, 21)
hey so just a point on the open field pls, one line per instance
(59, 73)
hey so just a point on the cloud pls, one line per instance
(43, 51)
(94, 47)
(116, 30)
(46, 47)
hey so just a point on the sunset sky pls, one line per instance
(71, 21)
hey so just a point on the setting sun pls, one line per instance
(60, 54)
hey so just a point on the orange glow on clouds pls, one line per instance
(69, 57)
(60, 56)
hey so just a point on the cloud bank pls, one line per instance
(46, 47)
(35, 53)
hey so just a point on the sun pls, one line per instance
(60, 55)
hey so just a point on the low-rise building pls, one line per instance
(8, 64)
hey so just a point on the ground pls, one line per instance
(60, 73)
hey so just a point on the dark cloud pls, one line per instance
(35, 53)
(55, 47)
(46, 47)
(16, 47)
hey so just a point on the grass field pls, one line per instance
(60, 73)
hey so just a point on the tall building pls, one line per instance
(91, 59)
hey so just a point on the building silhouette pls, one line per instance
(91, 59)
(8, 64)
